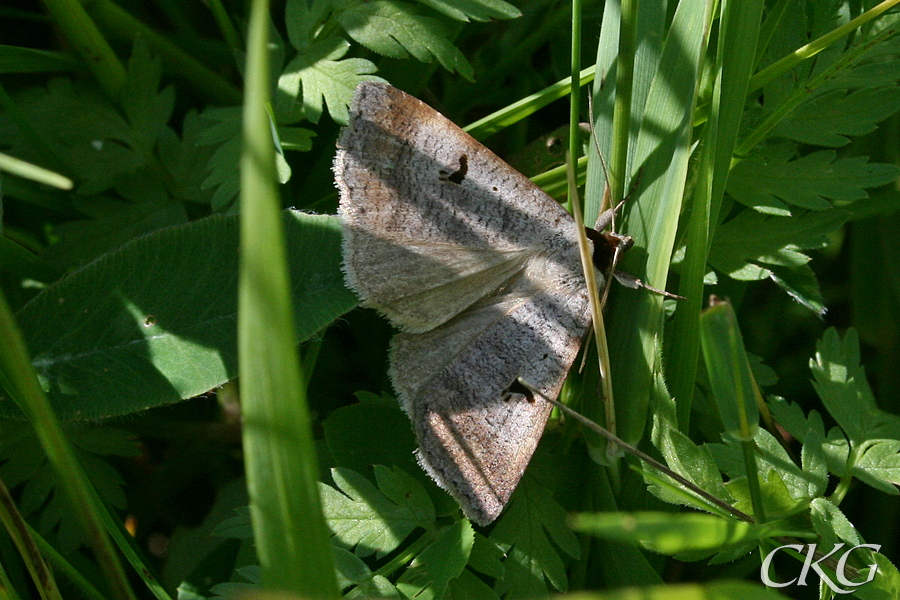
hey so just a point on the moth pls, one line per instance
(480, 271)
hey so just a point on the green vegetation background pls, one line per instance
(125, 287)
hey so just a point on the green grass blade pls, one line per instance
(661, 156)
(517, 111)
(15, 525)
(82, 33)
(282, 471)
(739, 28)
(729, 370)
(733, 387)
(17, 376)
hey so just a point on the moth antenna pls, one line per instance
(630, 281)
(618, 443)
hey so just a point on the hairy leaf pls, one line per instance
(808, 182)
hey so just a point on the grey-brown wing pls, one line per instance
(475, 438)
(433, 220)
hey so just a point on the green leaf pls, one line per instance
(443, 560)
(324, 79)
(469, 586)
(371, 432)
(397, 30)
(800, 283)
(689, 460)
(525, 529)
(669, 533)
(353, 572)
(828, 119)
(730, 379)
(751, 238)
(777, 499)
(722, 589)
(486, 557)
(296, 138)
(147, 109)
(159, 315)
(375, 520)
(91, 137)
(831, 525)
(109, 223)
(303, 19)
(884, 583)
(879, 465)
(185, 160)
(771, 457)
(17, 59)
(808, 182)
(222, 132)
(477, 10)
(237, 589)
(23, 463)
(840, 381)
(815, 464)
(811, 430)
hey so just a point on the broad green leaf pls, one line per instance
(477, 10)
(185, 160)
(375, 520)
(879, 465)
(154, 322)
(829, 119)
(751, 237)
(318, 77)
(532, 530)
(669, 533)
(108, 224)
(808, 182)
(90, 136)
(395, 29)
(436, 566)
(222, 136)
(876, 70)
(840, 381)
